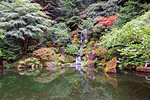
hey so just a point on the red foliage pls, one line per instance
(106, 21)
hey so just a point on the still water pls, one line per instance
(70, 85)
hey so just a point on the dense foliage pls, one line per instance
(102, 9)
(131, 10)
(134, 38)
(105, 29)
(59, 34)
(22, 20)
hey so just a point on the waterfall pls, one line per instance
(83, 39)
(79, 61)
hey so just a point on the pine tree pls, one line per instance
(22, 20)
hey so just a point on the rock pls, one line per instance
(112, 70)
(143, 69)
(84, 58)
(51, 68)
(111, 66)
(141, 74)
(69, 59)
(91, 55)
(51, 64)
(91, 64)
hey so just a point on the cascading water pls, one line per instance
(83, 39)
(79, 61)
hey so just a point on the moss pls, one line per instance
(69, 59)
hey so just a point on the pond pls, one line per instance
(70, 85)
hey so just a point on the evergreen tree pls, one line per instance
(23, 20)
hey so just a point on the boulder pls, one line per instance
(91, 55)
(91, 64)
(143, 69)
(51, 64)
(111, 66)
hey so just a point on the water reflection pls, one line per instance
(111, 78)
(72, 86)
(145, 75)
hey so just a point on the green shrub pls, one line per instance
(134, 37)
(22, 20)
(10, 49)
(31, 62)
(71, 49)
(88, 23)
(71, 7)
(59, 34)
(102, 9)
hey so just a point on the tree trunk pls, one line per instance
(1, 66)
(20, 42)
(25, 43)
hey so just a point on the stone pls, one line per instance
(91, 64)
(51, 64)
(111, 66)
(141, 74)
(143, 69)
(91, 55)
(69, 59)
(112, 70)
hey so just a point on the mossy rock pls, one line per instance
(113, 52)
(69, 59)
